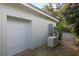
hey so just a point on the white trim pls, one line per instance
(33, 8)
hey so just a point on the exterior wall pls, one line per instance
(40, 31)
(39, 26)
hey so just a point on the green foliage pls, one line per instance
(70, 12)
(77, 28)
(50, 9)
(69, 15)
(60, 27)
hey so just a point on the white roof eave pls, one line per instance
(40, 12)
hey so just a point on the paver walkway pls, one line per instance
(67, 48)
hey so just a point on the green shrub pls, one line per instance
(77, 28)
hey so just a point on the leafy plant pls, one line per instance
(77, 28)
(70, 12)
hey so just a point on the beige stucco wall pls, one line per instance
(39, 31)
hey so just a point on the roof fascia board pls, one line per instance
(40, 12)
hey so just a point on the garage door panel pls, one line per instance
(15, 50)
(18, 35)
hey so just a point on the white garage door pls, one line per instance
(19, 33)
